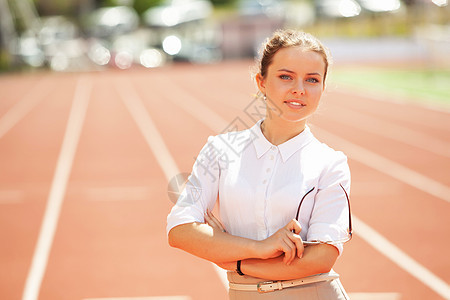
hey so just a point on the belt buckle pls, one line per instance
(261, 283)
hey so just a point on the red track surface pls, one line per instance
(110, 238)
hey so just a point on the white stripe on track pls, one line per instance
(389, 167)
(390, 130)
(23, 107)
(58, 189)
(195, 108)
(400, 258)
(148, 129)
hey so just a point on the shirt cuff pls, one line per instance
(327, 232)
(183, 215)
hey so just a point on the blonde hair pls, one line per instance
(290, 38)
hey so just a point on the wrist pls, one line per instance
(239, 268)
(255, 248)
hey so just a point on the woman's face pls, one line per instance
(293, 84)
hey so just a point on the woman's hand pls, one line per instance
(286, 240)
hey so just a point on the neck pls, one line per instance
(278, 131)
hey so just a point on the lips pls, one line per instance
(295, 104)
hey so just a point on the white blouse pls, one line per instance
(259, 186)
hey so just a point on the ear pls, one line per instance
(261, 83)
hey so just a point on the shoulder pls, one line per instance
(333, 166)
(232, 142)
(325, 154)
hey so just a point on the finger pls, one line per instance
(289, 251)
(294, 226)
(297, 240)
(208, 220)
(216, 221)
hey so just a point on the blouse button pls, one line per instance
(272, 157)
(264, 181)
(268, 170)
(274, 148)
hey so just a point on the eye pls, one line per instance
(285, 77)
(312, 80)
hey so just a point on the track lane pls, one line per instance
(28, 156)
(118, 247)
(414, 116)
(11, 93)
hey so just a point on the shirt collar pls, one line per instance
(287, 149)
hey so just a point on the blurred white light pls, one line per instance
(151, 58)
(349, 8)
(440, 2)
(123, 60)
(170, 17)
(172, 45)
(111, 17)
(59, 62)
(381, 5)
(35, 60)
(99, 55)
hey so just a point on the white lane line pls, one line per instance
(195, 108)
(148, 129)
(58, 189)
(400, 258)
(24, 106)
(144, 298)
(389, 167)
(390, 130)
(374, 296)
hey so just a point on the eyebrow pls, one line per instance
(289, 71)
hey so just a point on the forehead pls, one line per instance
(298, 60)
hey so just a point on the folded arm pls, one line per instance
(202, 240)
(316, 259)
(211, 242)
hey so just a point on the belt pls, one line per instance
(270, 286)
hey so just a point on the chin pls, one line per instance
(293, 118)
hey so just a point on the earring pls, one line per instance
(264, 98)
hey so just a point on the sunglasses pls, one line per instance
(349, 229)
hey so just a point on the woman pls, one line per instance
(276, 185)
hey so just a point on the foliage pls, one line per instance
(223, 2)
(139, 5)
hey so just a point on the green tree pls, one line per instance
(139, 5)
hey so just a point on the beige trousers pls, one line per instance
(324, 290)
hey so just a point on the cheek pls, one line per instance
(278, 87)
(316, 91)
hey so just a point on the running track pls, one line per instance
(85, 161)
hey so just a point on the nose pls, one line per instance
(298, 88)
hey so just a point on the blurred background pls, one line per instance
(80, 35)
